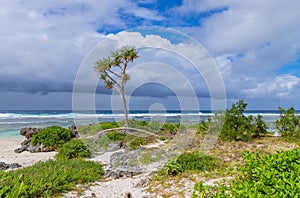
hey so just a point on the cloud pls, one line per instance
(281, 86)
(250, 41)
(43, 43)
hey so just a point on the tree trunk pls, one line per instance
(125, 108)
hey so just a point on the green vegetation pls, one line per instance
(51, 137)
(170, 128)
(288, 124)
(276, 175)
(50, 178)
(203, 126)
(115, 136)
(237, 126)
(73, 149)
(136, 142)
(112, 71)
(190, 161)
(93, 129)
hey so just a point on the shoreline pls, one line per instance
(7, 154)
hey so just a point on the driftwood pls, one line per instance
(123, 129)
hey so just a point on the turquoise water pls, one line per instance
(11, 122)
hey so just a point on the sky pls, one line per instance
(255, 45)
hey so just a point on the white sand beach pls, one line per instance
(7, 154)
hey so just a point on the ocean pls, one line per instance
(12, 121)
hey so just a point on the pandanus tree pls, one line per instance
(112, 71)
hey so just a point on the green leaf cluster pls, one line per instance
(276, 175)
(170, 128)
(237, 126)
(136, 142)
(115, 136)
(48, 179)
(288, 124)
(51, 137)
(190, 161)
(73, 149)
(265, 176)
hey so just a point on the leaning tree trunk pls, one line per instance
(125, 108)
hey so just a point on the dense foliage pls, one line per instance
(190, 161)
(51, 137)
(288, 124)
(237, 126)
(50, 178)
(73, 149)
(115, 136)
(276, 175)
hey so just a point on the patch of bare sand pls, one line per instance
(7, 154)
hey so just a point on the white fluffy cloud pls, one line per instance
(251, 41)
(43, 42)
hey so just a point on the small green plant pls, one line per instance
(190, 161)
(73, 149)
(48, 179)
(93, 129)
(288, 124)
(170, 128)
(201, 191)
(173, 168)
(136, 142)
(115, 136)
(202, 127)
(259, 127)
(51, 137)
(149, 157)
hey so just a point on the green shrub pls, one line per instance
(202, 127)
(115, 136)
(237, 126)
(276, 175)
(93, 129)
(173, 168)
(49, 179)
(288, 124)
(136, 142)
(170, 128)
(109, 125)
(51, 137)
(190, 161)
(73, 149)
(201, 191)
(259, 127)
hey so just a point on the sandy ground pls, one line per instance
(7, 154)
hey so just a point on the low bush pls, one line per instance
(288, 124)
(202, 127)
(51, 137)
(73, 149)
(48, 179)
(170, 128)
(115, 136)
(136, 142)
(190, 161)
(276, 175)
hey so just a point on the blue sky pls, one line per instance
(255, 44)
